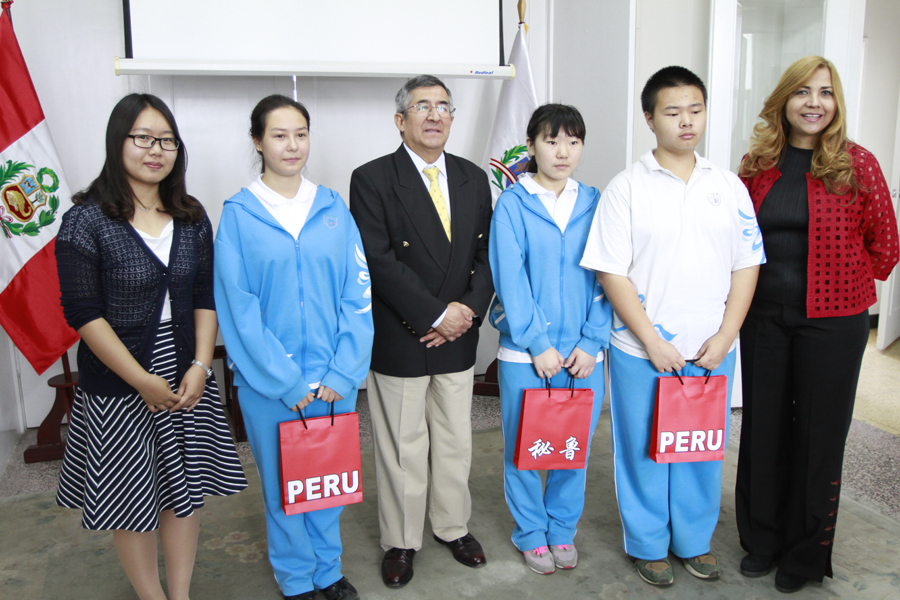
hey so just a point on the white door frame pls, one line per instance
(889, 305)
(724, 69)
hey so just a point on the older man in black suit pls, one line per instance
(424, 216)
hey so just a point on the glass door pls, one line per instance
(773, 34)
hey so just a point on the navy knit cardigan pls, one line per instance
(107, 271)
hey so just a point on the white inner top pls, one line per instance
(161, 247)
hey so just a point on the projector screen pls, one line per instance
(344, 31)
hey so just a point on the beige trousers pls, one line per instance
(422, 430)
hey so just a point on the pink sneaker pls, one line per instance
(565, 556)
(540, 560)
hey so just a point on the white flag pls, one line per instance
(507, 155)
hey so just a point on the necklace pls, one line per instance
(146, 208)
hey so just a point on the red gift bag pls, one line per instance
(320, 462)
(689, 420)
(554, 427)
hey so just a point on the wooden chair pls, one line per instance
(50, 445)
(231, 396)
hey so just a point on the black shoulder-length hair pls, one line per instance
(111, 188)
(549, 119)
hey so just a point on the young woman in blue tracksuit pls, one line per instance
(554, 322)
(292, 285)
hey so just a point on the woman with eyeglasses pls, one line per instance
(825, 212)
(147, 437)
(292, 281)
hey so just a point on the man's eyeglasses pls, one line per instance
(148, 141)
(424, 108)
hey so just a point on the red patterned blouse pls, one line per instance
(849, 245)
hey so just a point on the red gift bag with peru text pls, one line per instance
(554, 427)
(689, 420)
(320, 462)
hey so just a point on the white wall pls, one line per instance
(667, 33)
(591, 71)
(352, 119)
(69, 51)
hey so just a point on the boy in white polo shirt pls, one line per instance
(677, 250)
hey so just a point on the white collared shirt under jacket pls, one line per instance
(291, 213)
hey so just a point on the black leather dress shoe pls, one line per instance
(755, 565)
(340, 590)
(786, 583)
(466, 550)
(397, 567)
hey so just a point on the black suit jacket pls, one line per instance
(416, 271)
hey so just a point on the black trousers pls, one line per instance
(799, 382)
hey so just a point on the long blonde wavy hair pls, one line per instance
(831, 161)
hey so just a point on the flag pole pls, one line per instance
(126, 23)
(502, 50)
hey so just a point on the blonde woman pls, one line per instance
(824, 210)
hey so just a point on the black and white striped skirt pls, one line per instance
(125, 464)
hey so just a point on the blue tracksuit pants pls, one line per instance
(304, 549)
(663, 507)
(544, 516)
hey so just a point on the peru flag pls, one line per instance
(33, 197)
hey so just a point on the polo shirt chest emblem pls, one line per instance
(714, 198)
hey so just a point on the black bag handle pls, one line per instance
(300, 412)
(705, 381)
(571, 386)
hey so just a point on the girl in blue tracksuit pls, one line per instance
(292, 288)
(553, 319)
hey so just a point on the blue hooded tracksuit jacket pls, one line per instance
(544, 299)
(293, 313)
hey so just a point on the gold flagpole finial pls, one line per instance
(521, 11)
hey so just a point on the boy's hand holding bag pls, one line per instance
(689, 420)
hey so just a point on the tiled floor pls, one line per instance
(865, 554)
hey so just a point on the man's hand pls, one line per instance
(433, 339)
(456, 322)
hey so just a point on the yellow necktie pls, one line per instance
(438, 198)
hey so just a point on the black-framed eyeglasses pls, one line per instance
(148, 141)
(424, 108)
